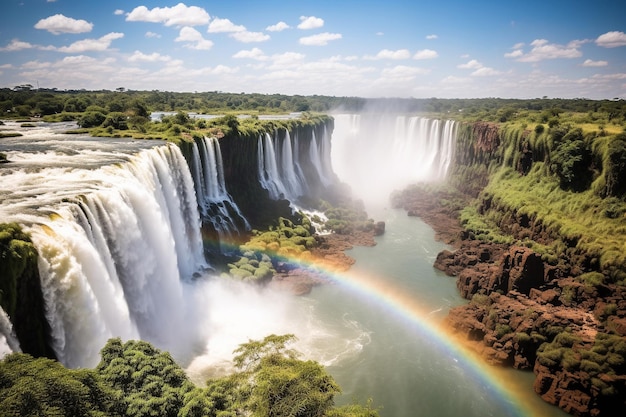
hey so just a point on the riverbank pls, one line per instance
(527, 314)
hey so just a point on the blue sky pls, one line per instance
(413, 48)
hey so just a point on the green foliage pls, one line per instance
(571, 159)
(17, 254)
(91, 119)
(280, 384)
(43, 387)
(152, 383)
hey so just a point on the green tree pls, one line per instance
(280, 384)
(43, 387)
(152, 383)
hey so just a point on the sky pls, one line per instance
(366, 48)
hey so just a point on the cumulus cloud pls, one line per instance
(473, 64)
(542, 49)
(139, 56)
(320, 39)
(431, 37)
(484, 72)
(515, 54)
(59, 23)
(612, 39)
(100, 44)
(249, 37)
(425, 54)
(388, 54)
(17, 45)
(479, 69)
(310, 22)
(278, 27)
(194, 39)
(118, 12)
(179, 15)
(404, 72)
(152, 35)
(591, 63)
(254, 53)
(218, 25)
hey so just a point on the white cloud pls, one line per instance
(218, 25)
(194, 39)
(17, 45)
(431, 37)
(179, 15)
(404, 72)
(479, 69)
(254, 53)
(287, 59)
(118, 12)
(59, 23)
(473, 64)
(278, 27)
(139, 56)
(484, 72)
(388, 54)
(542, 49)
(152, 35)
(515, 54)
(425, 54)
(248, 37)
(591, 63)
(612, 39)
(380, 33)
(100, 44)
(320, 39)
(310, 22)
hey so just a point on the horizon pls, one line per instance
(367, 49)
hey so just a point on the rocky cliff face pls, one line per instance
(556, 316)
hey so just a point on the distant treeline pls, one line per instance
(25, 101)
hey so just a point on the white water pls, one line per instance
(117, 227)
(379, 153)
(280, 164)
(216, 204)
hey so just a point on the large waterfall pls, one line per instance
(282, 163)
(376, 152)
(114, 255)
(117, 224)
(216, 204)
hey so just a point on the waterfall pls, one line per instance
(8, 340)
(269, 175)
(379, 153)
(216, 204)
(114, 259)
(286, 172)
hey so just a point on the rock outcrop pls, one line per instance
(527, 314)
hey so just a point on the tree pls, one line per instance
(43, 387)
(152, 383)
(282, 385)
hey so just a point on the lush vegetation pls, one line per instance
(136, 379)
(557, 187)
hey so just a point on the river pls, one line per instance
(407, 366)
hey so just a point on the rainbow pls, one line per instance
(406, 308)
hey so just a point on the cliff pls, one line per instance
(537, 218)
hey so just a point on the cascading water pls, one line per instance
(8, 341)
(112, 256)
(280, 164)
(216, 204)
(374, 152)
(117, 227)
(268, 163)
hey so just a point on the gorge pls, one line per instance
(144, 214)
